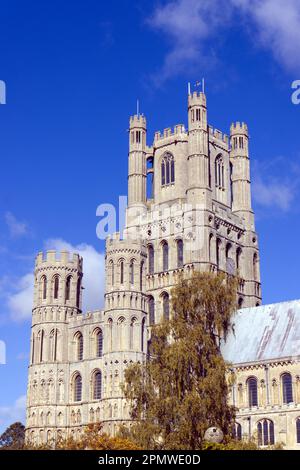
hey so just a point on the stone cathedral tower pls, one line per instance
(189, 208)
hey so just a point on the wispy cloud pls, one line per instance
(18, 293)
(16, 227)
(192, 28)
(12, 413)
(275, 193)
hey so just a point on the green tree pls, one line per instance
(182, 389)
(13, 437)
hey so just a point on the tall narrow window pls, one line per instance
(172, 171)
(179, 253)
(110, 333)
(167, 170)
(79, 346)
(252, 391)
(287, 388)
(112, 272)
(255, 267)
(41, 341)
(77, 384)
(165, 250)
(131, 335)
(265, 432)
(56, 287)
(237, 431)
(99, 343)
(166, 306)
(78, 290)
(32, 348)
(163, 173)
(121, 272)
(218, 252)
(219, 172)
(141, 275)
(143, 334)
(97, 385)
(298, 430)
(131, 272)
(68, 287)
(44, 287)
(238, 258)
(151, 310)
(151, 259)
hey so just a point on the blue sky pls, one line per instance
(73, 71)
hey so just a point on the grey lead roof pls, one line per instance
(264, 333)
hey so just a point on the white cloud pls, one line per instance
(194, 27)
(15, 412)
(19, 294)
(275, 184)
(273, 193)
(16, 228)
(19, 301)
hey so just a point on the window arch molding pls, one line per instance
(77, 386)
(96, 384)
(78, 340)
(265, 432)
(97, 337)
(165, 255)
(55, 286)
(167, 169)
(165, 299)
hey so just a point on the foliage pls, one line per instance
(13, 437)
(92, 439)
(182, 390)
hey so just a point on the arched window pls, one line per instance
(110, 333)
(240, 302)
(56, 287)
(151, 259)
(219, 172)
(287, 388)
(255, 267)
(77, 386)
(141, 275)
(166, 306)
(68, 287)
(142, 334)
(179, 253)
(99, 343)
(165, 253)
(265, 432)
(44, 287)
(131, 333)
(218, 252)
(41, 336)
(121, 332)
(238, 258)
(298, 430)
(131, 272)
(97, 385)
(121, 272)
(167, 170)
(252, 391)
(237, 431)
(32, 348)
(151, 310)
(112, 272)
(53, 345)
(79, 346)
(78, 292)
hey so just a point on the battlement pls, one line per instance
(127, 244)
(238, 128)
(138, 120)
(217, 134)
(58, 257)
(179, 129)
(197, 99)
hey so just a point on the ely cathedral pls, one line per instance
(189, 208)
